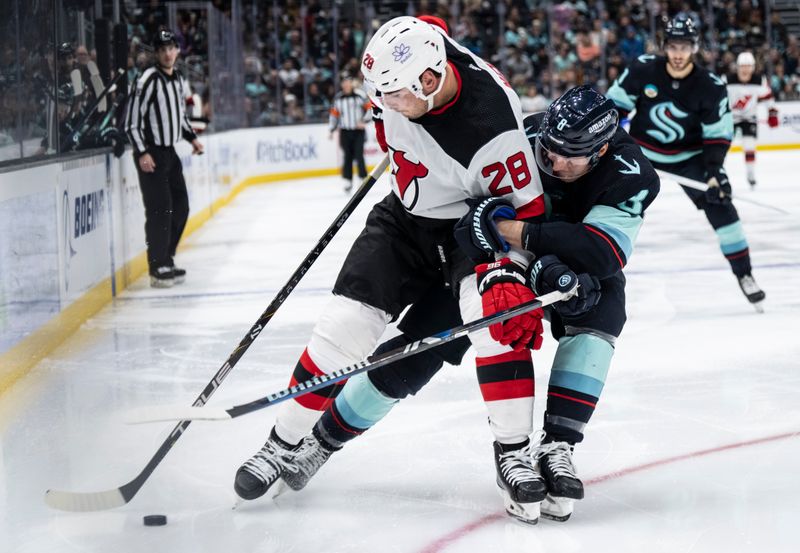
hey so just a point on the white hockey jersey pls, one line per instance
(474, 146)
(744, 97)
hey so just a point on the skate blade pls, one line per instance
(759, 306)
(557, 508)
(524, 512)
(278, 489)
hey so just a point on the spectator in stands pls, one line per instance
(318, 104)
(778, 80)
(290, 76)
(532, 101)
(587, 49)
(82, 55)
(537, 37)
(791, 56)
(632, 45)
(293, 111)
(473, 41)
(518, 64)
(565, 58)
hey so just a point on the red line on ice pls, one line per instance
(442, 543)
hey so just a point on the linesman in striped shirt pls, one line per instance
(350, 112)
(156, 121)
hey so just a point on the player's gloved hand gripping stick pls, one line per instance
(116, 497)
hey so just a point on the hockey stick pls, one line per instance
(81, 128)
(116, 497)
(166, 413)
(698, 185)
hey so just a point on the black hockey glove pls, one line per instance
(719, 187)
(548, 274)
(476, 232)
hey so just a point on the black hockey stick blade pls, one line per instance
(166, 413)
(116, 497)
(698, 185)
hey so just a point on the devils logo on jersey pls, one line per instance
(405, 174)
(742, 102)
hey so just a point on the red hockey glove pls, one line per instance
(772, 118)
(502, 285)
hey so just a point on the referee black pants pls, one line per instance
(352, 143)
(166, 205)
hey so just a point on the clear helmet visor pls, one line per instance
(400, 100)
(559, 166)
(395, 100)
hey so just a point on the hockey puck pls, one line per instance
(155, 520)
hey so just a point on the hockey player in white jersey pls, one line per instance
(598, 184)
(746, 89)
(454, 130)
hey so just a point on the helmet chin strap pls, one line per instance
(429, 98)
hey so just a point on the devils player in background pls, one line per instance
(684, 125)
(454, 130)
(746, 89)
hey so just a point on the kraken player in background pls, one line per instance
(684, 125)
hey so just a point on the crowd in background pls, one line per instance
(289, 56)
(191, 30)
(543, 48)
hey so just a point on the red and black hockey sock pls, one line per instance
(507, 387)
(319, 400)
(506, 376)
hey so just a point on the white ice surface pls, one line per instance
(696, 370)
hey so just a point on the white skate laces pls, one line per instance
(517, 466)
(563, 484)
(559, 458)
(269, 463)
(307, 460)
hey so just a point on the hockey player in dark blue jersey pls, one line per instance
(684, 125)
(597, 184)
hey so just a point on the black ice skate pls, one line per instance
(309, 456)
(162, 277)
(259, 473)
(521, 486)
(563, 484)
(180, 275)
(752, 292)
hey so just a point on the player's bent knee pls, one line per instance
(361, 404)
(408, 375)
(346, 332)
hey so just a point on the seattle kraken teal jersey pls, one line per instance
(592, 223)
(676, 119)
